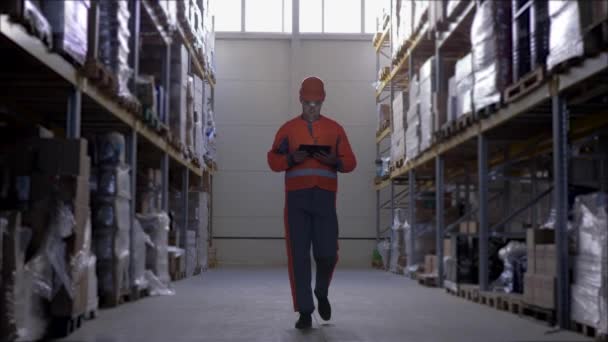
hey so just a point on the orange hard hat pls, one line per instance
(312, 89)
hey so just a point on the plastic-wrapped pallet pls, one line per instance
(491, 52)
(111, 239)
(179, 88)
(464, 85)
(111, 148)
(570, 22)
(513, 256)
(114, 181)
(397, 251)
(406, 13)
(142, 240)
(69, 19)
(191, 255)
(590, 288)
(412, 133)
(210, 137)
(114, 42)
(157, 258)
(427, 118)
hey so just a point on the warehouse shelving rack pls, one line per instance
(565, 109)
(44, 88)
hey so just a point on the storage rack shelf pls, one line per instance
(564, 110)
(42, 87)
(383, 40)
(31, 46)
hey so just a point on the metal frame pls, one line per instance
(528, 157)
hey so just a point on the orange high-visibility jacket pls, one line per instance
(311, 173)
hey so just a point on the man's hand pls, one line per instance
(327, 159)
(299, 156)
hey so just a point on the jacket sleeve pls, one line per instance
(278, 157)
(347, 161)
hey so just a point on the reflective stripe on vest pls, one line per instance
(311, 172)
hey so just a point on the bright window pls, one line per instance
(342, 16)
(264, 15)
(227, 15)
(311, 16)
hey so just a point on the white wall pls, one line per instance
(254, 97)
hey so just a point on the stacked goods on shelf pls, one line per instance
(412, 133)
(464, 269)
(149, 192)
(384, 117)
(177, 262)
(463, 78)
(491, 52)
(177, 234)
(530, 37)
(152, 99)
(156, 227)
(198, 222)
(571, 23)
(398, 131)
(49, 184)
(140, 240)
(539, 280)
(427, 117)
(398, 260)
(29, 13)
(420, 8)
(190, 116)
(114, 37)
(452, 103)
(209, 128)
(24, 297)
(198, 118)
(178, 95)
(401, 27)
(112, 218)
(589, 291)
(68, 20)
(208, 38)
(514, 259)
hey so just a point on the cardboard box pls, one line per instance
(529, 288)
(539, 236)
(544, 292)
(447, 248)
(550, 260)
(468, 227)
(430, 263)
(63, 157)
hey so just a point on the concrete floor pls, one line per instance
(254, 304)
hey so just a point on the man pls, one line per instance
(311, 183)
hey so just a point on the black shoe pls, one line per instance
(305, 321)
(324, 307)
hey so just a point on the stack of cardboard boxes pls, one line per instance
(539, 280)
(50, 185)
(180, 63)
(112, 218)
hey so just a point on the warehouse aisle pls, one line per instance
(252, 304)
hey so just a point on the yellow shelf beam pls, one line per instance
(382, 135)
(381, 42)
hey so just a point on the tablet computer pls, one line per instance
(312, 149)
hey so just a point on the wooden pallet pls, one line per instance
(524, 85)
(60, 327)
(177, 276)
(488, 298)
(538, 313)
(100, 76)
(427, 279)
(588, 331)
(469, 292)
(510, 302)
(486, 111)
(110, 300)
